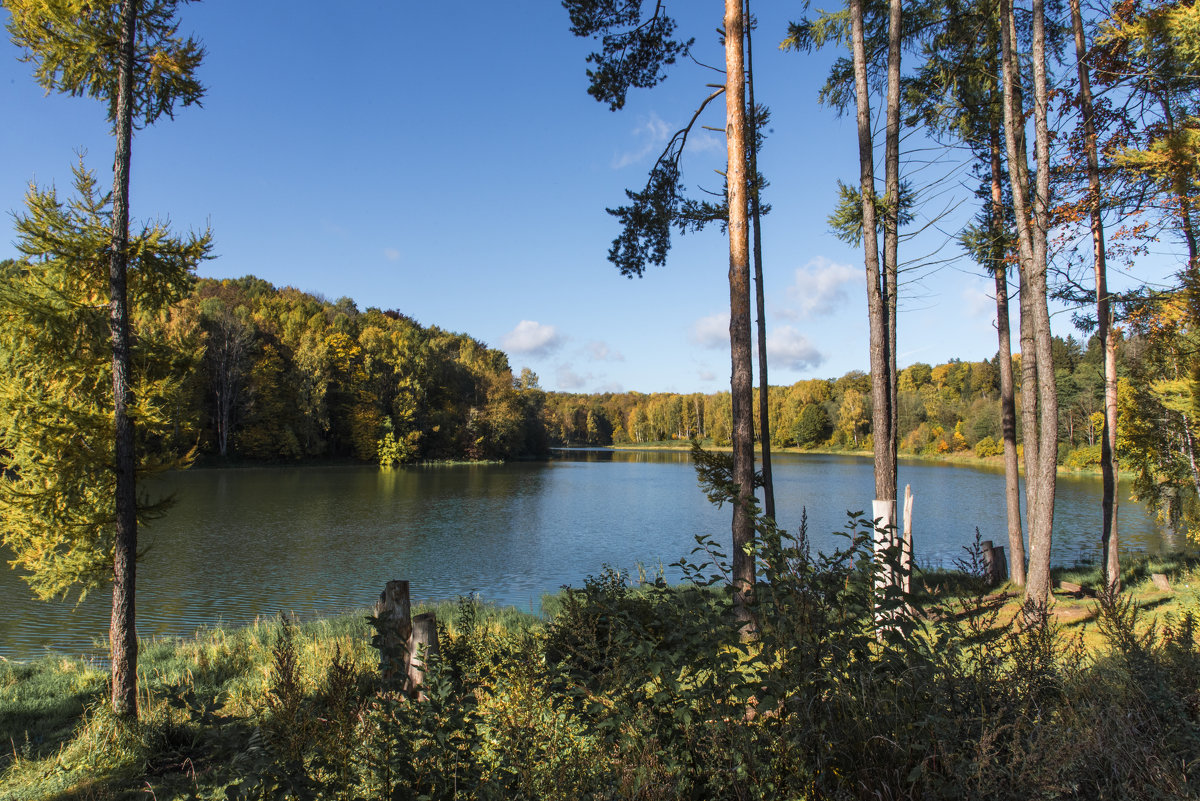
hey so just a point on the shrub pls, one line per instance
(988, 447)
(1087, 457)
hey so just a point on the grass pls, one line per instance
(201, 699)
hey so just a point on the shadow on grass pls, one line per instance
(42, 703)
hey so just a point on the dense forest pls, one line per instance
(280, 375)
(271, 374)
(277, 375)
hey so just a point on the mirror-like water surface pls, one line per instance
(243, 543)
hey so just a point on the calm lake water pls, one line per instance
(243, 543)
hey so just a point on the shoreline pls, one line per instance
(962, 458)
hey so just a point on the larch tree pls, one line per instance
(128, 54)
(1147, 56)
(58, 493)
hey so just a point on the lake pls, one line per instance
(249, 542)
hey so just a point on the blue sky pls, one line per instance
(445, 160)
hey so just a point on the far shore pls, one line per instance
(960, 458)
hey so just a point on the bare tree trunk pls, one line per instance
(1038, 389)
(1108, 452)
(885, 475)
(1008, 411)
(891, 235)
(741, 357)
(122, 633)
(764, 387)
(1040, 538)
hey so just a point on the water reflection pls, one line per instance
(243, 543)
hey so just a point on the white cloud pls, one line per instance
(611, 386)
(705, 142)
(568, 379)
(822, 286)
(707, 375)
(651, 134)
(979, 304)
(788, 348)
(532, 338)
(601, 352)
(711, 332)
(391, 254)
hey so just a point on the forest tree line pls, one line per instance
(946, 408)
(280, 374)
(268, 374)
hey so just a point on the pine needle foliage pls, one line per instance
(74, 46)
(56, 420)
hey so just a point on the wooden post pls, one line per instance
(422, 645)
(999, 563)
(906, 552)
(394, 612)
(995, 563)
(988, 554)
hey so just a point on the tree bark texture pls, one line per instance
(764, 406)
(1108, 441)
(741, 358)
(1047, 476)
(1038, 390)
(891, 234)
(122, 632)
(881, 415)
(1008, 409)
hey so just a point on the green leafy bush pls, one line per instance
(1085, 458)
(988, 447)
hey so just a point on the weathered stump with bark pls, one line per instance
(422, 646)
(405, 643)
(393, 613)
(995, 564)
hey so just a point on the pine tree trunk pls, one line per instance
(122, 631)
(741, 358)
(1040, 537)
(1008, 412)
(885, 475)
(764, 387)
(1108, 452)
(1038, 390)
(891, 236)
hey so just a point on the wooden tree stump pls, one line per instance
(999, 564)
(422, 645)
(988, 555)
(1160, 581)
(394, 612)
